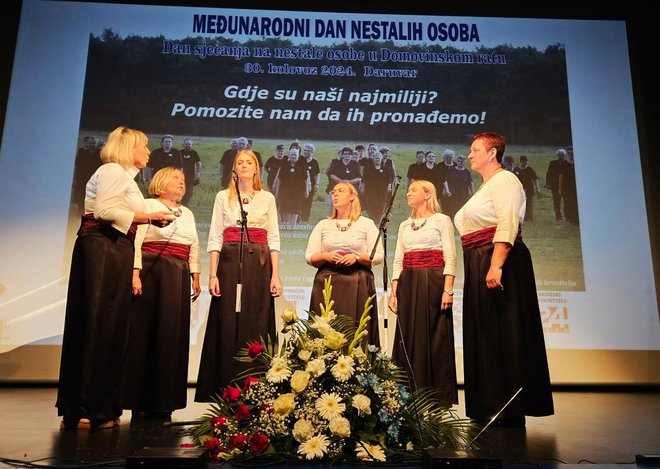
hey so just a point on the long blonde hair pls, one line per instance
(432, 203)
(120, 144)
(356, 208)
(256, 177)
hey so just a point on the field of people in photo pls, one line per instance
(555, 246)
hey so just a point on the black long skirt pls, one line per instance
(424, 338)
(351, 287)
(228, 331)
(157, 365)
(503, 342)
(96, 325)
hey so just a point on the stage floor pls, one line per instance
(602, 427)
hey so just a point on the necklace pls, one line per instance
(417, 227)
(343, 227)
(176, 211)
(247, 198)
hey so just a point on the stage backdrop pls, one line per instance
(407, 83)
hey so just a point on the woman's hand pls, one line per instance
(214, 286)
(447, 301)
(137, 283)
(347, 259)
(392, 303)
(197, 290)
(331, 257)
(275, 286)
(161, 219)
(494, 278)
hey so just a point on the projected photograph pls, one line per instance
(363, 111)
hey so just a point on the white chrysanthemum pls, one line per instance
(303, 430)
(315, 447)
(362, 403)
(340, 427)
(279, 370)
(343, 369)
(316, 367)
(368, 452)
(284, 404)
(330, 406)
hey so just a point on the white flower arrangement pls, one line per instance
(317, 398)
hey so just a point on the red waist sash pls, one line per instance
(165, 248)
(257, 235)
(423, 259)
(89, 222)
(480, 238)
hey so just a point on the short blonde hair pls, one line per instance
(161, 179)
(120, 144)
(432, 203)
(356, 208)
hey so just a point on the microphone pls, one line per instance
(234, 175)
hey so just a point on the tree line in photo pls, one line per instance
(525, 99)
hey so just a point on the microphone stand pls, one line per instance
(382, 231)
(244, 232)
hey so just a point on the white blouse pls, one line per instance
(498, 202)
(437, 234)
(181, 231)
(112, 195)
(261, 213)
(359, 237)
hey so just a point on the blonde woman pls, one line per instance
(340, 246)
(226, 330)
(98, 304)
(422, 294)
(166, 268)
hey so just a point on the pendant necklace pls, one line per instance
(176, 211)
(417, 227)
(343, 227)
(247, 198)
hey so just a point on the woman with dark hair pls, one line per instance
(98, 303)
(377, 182)
(340, 246)
(166, 266)
(423, 293)
(503, 344)
(227, 331)
(292, 178)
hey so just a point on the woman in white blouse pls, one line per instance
(99, 297)
(340, 247)
(166, 264)
(503, 345)
(228, 331)
(422, 295)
